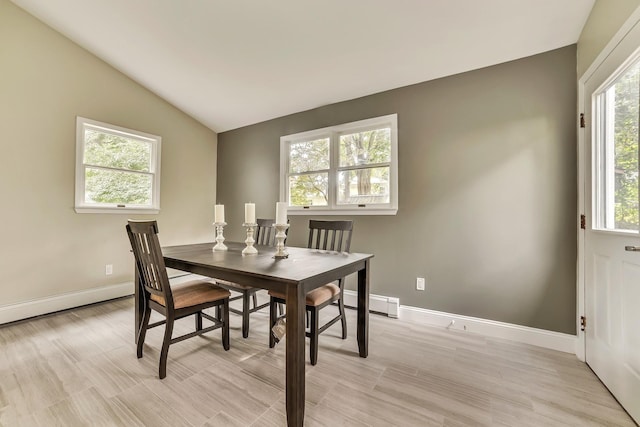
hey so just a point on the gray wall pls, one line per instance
(45, 82)
(487, 203)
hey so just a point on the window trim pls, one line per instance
(156, 142)
(333, 133)
(603, 215)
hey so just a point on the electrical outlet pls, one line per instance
(108, 269)
(420, 284)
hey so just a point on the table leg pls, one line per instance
(295, 364)
(363, 310)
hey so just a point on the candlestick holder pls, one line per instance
(220, 246)
(281, 235)
(250, 250)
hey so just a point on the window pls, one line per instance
(616, 109)
(117, 169)
(344, 169)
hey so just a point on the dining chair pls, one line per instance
(172, 301)
(264, 235)
(323, 235)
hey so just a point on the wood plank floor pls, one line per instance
(79, 368)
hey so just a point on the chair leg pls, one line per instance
(273, 317)
(142, 332)
(225, 327)
(343, 318)
(280, 309)
(255, 299)
(168, 331)
(313, 347)
(199, 321)
(245, 314)
(218, 314)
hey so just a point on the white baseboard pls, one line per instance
(491, 328)
(377, 303)
(46, 305)
(40, 306)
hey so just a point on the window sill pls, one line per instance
(624, 233)
(326, 211)
(129, 211)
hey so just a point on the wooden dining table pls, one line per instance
(303, 270)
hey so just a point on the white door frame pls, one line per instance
(633, 19)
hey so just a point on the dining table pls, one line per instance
(302, 271)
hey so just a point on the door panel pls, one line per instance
(631, 318)
(613, 315)
(602, 324)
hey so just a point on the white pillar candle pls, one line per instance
(281, 213)
(219, 213)
(250, 213)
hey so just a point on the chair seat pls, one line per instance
(192, 293)
(316, 296)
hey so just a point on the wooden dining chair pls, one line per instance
(172, 301)
(324, 235)
(264, 235)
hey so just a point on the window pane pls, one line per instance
(104, 149)
(309, 156)
(109, 186)
(363, 148)
(309, 189)
(621, 137)
(363, 186)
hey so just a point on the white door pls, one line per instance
(612, 208)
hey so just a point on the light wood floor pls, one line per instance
(79, 368)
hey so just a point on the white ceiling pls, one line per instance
(231, 63)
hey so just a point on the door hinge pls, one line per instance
(583, 323)
(583, 222)
(582, 124)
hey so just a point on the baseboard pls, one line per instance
(40, 306)
(377, 303)
(539, 337)
(46, 305)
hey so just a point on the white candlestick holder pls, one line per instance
(220, 246)
(281, 235)
(249, 249)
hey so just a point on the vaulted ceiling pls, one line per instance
(231, 63)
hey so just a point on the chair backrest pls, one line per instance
(330, 235)
(265, 232)
(150, 266)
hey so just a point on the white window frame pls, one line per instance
(603, 158)
(333, 133)
(81, 206)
